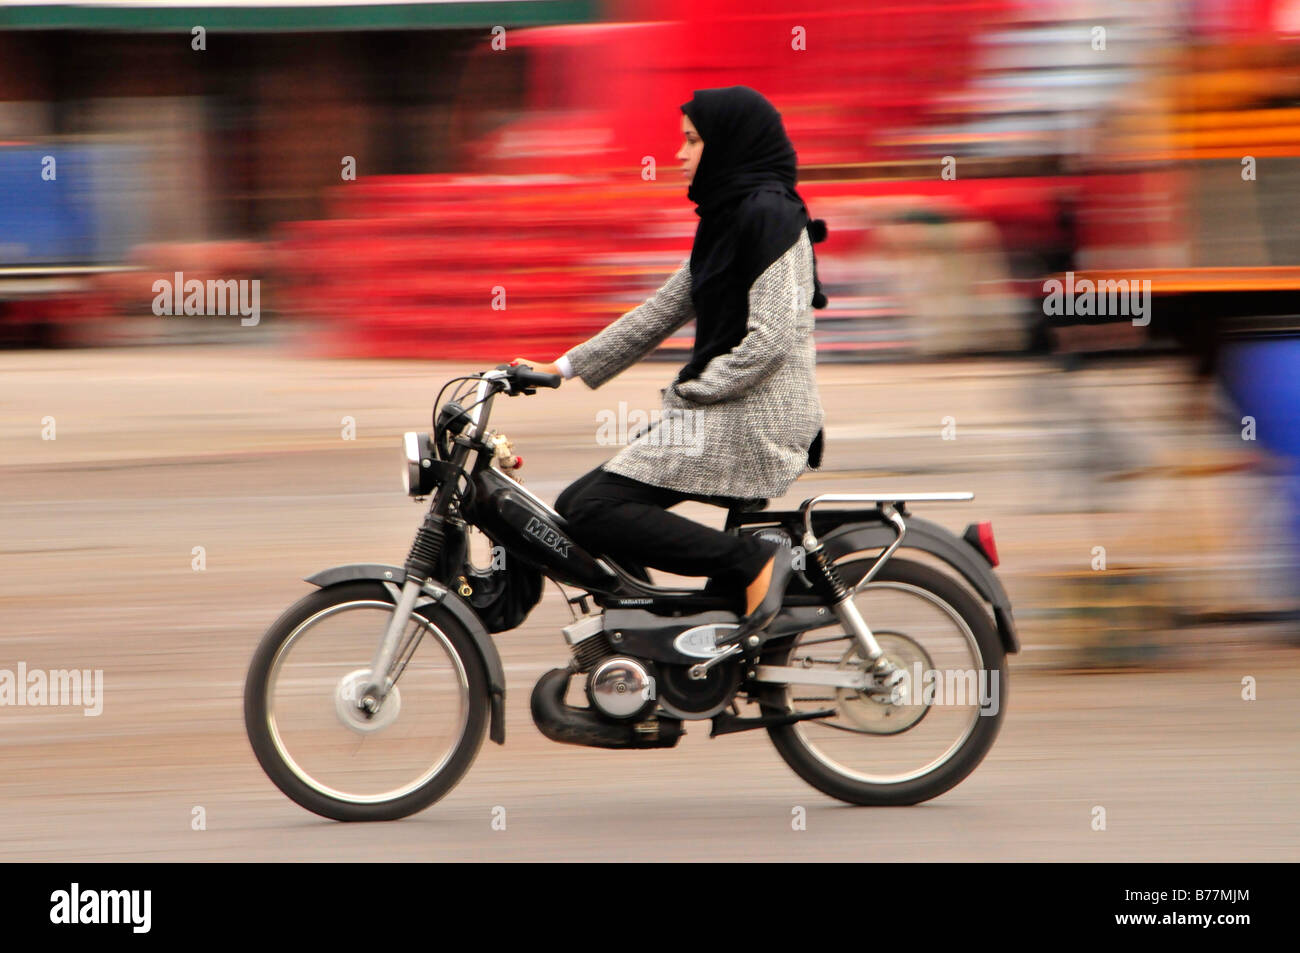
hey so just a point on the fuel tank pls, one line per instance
(525, 525)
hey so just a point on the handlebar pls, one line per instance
(522, 378)
(452, 418)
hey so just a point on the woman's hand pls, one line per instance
(538, 366)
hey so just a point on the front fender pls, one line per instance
(454, 604)
(942, 544)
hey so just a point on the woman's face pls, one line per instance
(689, 154)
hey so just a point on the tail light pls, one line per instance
(980, 535)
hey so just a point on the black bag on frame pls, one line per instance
(501, 597)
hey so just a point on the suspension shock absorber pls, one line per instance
(426, 549)
(829, 584)
(421, 564)
(825, 577)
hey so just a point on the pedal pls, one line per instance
(700, 670)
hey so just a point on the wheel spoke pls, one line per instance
(831, 638)
(336, 749)
(871, 741)
(408, 649)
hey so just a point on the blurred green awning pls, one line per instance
(299, 15)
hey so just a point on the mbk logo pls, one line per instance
(548, 536)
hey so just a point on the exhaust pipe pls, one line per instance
(562, 722)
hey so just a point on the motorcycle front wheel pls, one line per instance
(335, 758)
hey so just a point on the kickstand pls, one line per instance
(725, 724)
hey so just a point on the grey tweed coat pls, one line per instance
(744, 426)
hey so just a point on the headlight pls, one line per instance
(419, 475)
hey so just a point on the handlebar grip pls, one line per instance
(527, 377)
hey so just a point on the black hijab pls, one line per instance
(750, 213)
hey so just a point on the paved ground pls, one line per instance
(241, 452)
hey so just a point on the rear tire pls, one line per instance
(796, 752)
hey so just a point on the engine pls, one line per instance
(621, 688)
(626, 688)
(588, 641)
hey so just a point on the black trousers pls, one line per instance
(628, 520)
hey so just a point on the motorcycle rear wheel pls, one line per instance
(858, 756)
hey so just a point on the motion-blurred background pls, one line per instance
(466, 182)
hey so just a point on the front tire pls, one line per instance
(873, 785)
(312, 745)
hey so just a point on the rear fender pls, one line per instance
(943, 545)
(395, 576)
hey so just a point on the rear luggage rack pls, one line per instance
(889, 505)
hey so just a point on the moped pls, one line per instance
(881, 681)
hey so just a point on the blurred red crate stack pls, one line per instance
(557, 213)
(476, 269)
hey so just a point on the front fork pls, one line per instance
(421, 564)
(376, 690)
